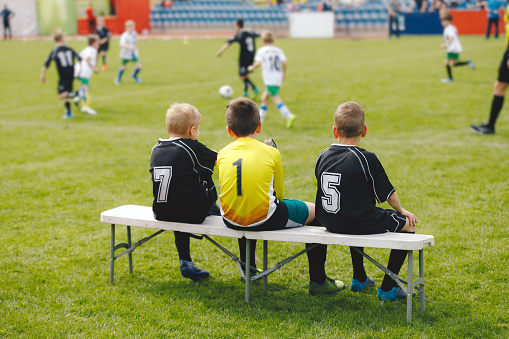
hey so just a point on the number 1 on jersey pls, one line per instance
(238, 163)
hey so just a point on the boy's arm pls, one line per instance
(447, 43)
(252, 67)
(43, 74)
(88, 60)
(283, 64)
(222, 49)
(395, 203)
(278, 178)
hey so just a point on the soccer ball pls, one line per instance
(226, 91)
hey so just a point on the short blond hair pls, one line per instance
(58, 35)
(130, 23)
(267, 37)
(349, 119)
(180, 117)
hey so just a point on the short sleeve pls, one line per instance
(382, 187)
(206, 157)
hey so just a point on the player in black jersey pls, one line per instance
(246, 40)
(64, 57)
(498, 97)
(183, 189)
(104, 40)
(350, 180)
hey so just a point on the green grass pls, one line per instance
(58, 175)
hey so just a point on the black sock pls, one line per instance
(245, 85)
(182, 241)
(449, 71)
(316, 260)
(496, 107)
(67, 105)
(461, 63)
(358, 264)
(104, 59)
(250, 84)
(242, 249)
(396, 260)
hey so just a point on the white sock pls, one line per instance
(263, 112)
(284, 110)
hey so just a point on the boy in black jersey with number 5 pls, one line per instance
(349, 180)
(183, 189)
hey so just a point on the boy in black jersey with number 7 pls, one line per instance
(349, 181)
(183, 189)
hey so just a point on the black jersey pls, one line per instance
(64, 57)
(182, 180)
(103, 33)
(350, 180)
(246, 39)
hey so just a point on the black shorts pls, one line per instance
(104, 47)
(503, 71)
(277, 221)
(65, 85)
(391, 222)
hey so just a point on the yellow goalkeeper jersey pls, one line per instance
(251, 179)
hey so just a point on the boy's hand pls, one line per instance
(96, 70)
(443, 45)
(250, 68)
(43, 79)
(412, 219)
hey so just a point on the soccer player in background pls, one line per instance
(246, 40)
(452, 46)
(83, 71)
(104, 40)
(493, 7)
(64, 57)
(129, 51)
(498, 97)
(7, 15)
(273, 62)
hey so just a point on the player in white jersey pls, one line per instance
(453, 47)
(129, 51)
(84, 70)
(273, 62)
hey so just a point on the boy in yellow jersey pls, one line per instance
(252, 191)
(506, 19)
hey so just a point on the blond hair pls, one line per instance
(180, 117)
(349, 119)
(58, 35)
(267, 37)
(129, 23)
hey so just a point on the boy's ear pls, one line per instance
(335, 132)
(230, 132)
(259, 128)
(364, 131)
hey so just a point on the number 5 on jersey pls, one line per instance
(331, 196)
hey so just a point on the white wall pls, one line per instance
(312, 25)
(24, 22)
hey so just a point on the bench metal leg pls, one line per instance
(421, 276)
(265, 257)
(112, 253)
(129, 246)
(410, 287)
(248, 270)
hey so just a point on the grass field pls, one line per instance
(58, 175)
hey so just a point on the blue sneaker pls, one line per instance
(391, 295)
(189, 270)
(138, 80)
(357, 286)
(471, 64)
(446, 80)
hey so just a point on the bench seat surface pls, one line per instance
(142, 216)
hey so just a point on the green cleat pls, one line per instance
(290, 120)
(329, 286)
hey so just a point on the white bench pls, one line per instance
(142, 216)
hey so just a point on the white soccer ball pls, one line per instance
(226, 91)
